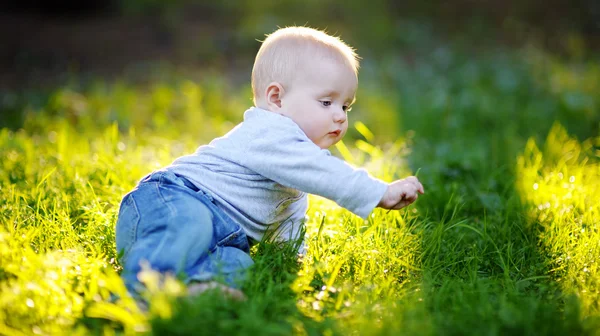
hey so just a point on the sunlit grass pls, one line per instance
(561, 184)
(58, 257)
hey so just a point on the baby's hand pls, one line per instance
(401, 193)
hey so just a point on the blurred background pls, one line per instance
(55, 51)
(43, 40)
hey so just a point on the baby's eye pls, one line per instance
(347, 108)
(326, 103)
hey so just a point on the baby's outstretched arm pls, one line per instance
(289, 158)
(401, 193)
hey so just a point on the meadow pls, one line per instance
(505, 241)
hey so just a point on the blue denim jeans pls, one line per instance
(177, 229)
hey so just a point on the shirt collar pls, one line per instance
(257, 112)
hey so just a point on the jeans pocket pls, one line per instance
(225, 263)
(126, 227)
(231, 237)
(237, 239)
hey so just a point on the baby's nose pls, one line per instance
(339, 116)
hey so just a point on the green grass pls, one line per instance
(505, 240)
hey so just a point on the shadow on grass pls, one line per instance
(484, 273)
(485, 268)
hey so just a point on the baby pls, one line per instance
(197, 217)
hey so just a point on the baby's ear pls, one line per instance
(274, 95)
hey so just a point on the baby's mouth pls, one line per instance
(336, 133)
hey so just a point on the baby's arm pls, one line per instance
(291, 159)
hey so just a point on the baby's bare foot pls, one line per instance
(198, 288)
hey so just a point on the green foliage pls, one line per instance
(505, 240)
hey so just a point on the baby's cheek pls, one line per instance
(344, 130)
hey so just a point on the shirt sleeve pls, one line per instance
(288, 157)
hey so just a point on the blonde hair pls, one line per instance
(287, 49)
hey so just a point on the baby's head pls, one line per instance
(310, 77)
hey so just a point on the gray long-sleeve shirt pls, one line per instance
(261, 171)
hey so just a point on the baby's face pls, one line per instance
(318, 101)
